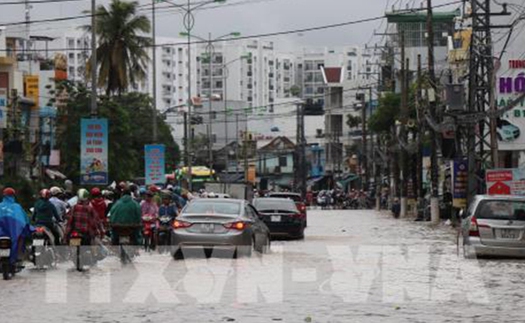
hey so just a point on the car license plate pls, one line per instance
(509, 234)
(124, 240)
(75, 242)
(276, 218)
(5, 252)
(207, 227)
(38, 242)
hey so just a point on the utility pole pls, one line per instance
(186, 157)
(421, 132)
(237, 141)
(364, 140)
(210, 51)
(482, 143)
(94, 111)
(404, 116)
(154, 63)
(328, 127)
(300, 178)
(225, 98)
(434, 201)
(189, 22)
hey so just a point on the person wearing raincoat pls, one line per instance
(126, 212)
(14, 223)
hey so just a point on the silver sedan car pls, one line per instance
(215, 225)
(494, 226)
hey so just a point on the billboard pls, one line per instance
(506, 181)
(94, 152)
(155, 164)
(511, 126)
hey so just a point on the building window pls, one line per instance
(214, 114)
(283, 161)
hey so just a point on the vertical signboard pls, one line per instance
(3, 108)
(155, 163)
(459, 183)
(94, 152)
(32, 88)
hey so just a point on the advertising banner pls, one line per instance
(155, 164)
(506, 181)
(94, 152)
(3, 108)
(32, 88)
(459, 183)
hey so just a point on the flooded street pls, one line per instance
(353, 266)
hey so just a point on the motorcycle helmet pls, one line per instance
(154, 189)
(82, 194)
(55, 191)
(45, 193)
(95, 192)
(8, 191)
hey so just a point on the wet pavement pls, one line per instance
(353, 266)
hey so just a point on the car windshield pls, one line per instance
(213, 207)
(275, 204)
(501, 210)
(293, 197)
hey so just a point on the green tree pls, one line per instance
(384, 117)
(129, 117)
(353, 121)
(122, 55)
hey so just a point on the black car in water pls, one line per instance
(281, 216)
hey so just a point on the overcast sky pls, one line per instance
(246, 16)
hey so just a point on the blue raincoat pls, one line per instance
(14, 223)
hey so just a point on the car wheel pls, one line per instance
(177, 255)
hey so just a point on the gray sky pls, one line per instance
(250, 17)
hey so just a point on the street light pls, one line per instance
(210, 52)
(225, 76)
(189, 23)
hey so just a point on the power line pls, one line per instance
(262, 35)
(12, 3)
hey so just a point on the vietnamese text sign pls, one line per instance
(32, 88)
(3, 108)
(506, 181)
(94, 152)
(155, 163)
(459, 183)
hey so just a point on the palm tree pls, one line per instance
(122, 54)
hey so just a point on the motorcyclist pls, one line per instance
(98, 203)
(14, 223)
(149, 206)
(167, 208)
(60, 205)
(45, 214)
(126, 212)
(83, 218)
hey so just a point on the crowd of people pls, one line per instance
(94, 213)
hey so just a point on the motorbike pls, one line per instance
(42, 249)
(5, 253)
(125, 241)
(83, 251)
(164, 231)
(150, 223)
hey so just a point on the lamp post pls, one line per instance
(210, 52)
(189, 23)
(225, 99)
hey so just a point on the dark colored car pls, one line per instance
(298, 200)
(281, 216)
